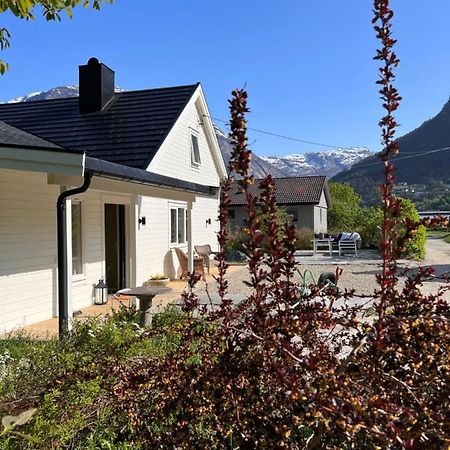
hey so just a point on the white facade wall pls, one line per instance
(28, 249)
(92, 212)
(154, 253)
(206, 209)
(152, 240)
(321, 215)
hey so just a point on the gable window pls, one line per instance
(195, 151)
(178, 220)
(77, 244)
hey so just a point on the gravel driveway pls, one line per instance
(357, 273)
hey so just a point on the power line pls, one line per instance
(401, 158)
(270, 133)
(282, 136)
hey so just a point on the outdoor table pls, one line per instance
(326, 243)
(145, 295)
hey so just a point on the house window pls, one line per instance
(231, 214)
(178, 222)
(195, 151)
(77, 255)
(293, 212)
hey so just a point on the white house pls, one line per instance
(306, 199)
(149, 168)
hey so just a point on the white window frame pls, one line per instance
(178, 207)
(194, 161)
(82, 275)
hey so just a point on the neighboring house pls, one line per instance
(306, 199)
(151, 168)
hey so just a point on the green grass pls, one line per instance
(447, 238)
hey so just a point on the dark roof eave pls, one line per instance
(230, 205)
(115, 171)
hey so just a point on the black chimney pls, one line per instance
(96, 86)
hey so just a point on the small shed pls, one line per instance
(306, 199)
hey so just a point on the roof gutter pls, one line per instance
(63, 276)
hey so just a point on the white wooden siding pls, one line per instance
(92, 249)
(154, 253)
(204, 209)
(28, 249)
(174, 157)
(152, 240)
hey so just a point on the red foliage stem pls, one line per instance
(383, 15)
(241, 157)
(222, 237)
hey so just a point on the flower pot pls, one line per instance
(159, 283)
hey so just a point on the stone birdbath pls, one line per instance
(145, 294)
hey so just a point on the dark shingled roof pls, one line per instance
(13, 137)
(129, 131)
(289, 191)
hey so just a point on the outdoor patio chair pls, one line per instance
(205, 252)
(183, 259)
(347, 246)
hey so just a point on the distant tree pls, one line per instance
(51, 10)
(345, 214)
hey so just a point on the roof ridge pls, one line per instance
(163, 88)
(73, 98)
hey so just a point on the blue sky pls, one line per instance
(307, 65)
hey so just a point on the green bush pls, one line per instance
(414, 247)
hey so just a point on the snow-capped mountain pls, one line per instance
(327, 163)
(56, 92)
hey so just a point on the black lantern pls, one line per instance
(101, 292)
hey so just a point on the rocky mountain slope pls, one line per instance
(424, 158)
(259, 167)
(318, 163)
